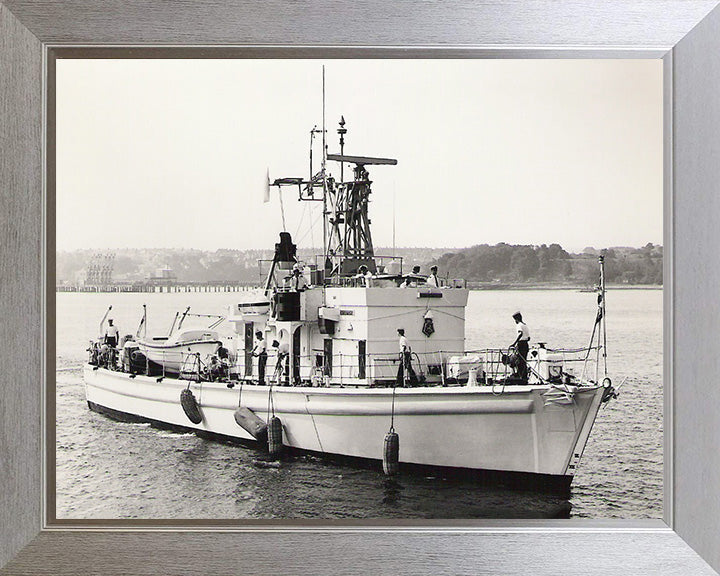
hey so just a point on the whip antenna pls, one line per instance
(324, 178)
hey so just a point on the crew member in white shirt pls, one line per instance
(521, 344)
(406, 375)
(281, 367)
(111, 334)
(260, 351)
(298, 282)
(411, 279)
(364, 277)
(433, 279)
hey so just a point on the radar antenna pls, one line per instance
(349, 236)
(347, 241)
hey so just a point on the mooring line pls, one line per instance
(312, 418)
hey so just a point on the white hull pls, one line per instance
(475, 428)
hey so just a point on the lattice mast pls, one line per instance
(347, 240)
(349, 243)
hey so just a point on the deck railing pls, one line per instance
(487, 366)
(389, 273)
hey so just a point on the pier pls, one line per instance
(217, 286)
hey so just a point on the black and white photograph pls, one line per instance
(364, 289)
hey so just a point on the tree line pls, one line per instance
(498, 264)
(548, 264)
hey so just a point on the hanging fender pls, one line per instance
(391, 453)
(190, 406)
(249, 421)
(274, 432)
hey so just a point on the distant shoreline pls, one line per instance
(229, 287)
(480, 286)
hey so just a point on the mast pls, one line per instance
(602, 311)
(348, 220)
(182, 319)
(347, 242)
(342, 131)
(326, 256)
(393, 228)
(600, 324)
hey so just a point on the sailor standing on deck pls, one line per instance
(111, 334)
(260, 351)
(411, 279)
(521, 344)
(298, 282)
(109, 349)
(368, 278)
(433, 279)
(281, 367)
(405, 375)
(364, 277)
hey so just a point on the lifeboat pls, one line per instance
(173, 353)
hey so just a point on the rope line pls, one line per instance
(312, 419)
(392, 410)
(312, 223)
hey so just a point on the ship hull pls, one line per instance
(480, 432)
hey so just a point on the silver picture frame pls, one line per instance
(685, 34)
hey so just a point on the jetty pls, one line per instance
(150, 287)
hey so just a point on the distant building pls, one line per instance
(163, 277)
(100, 270)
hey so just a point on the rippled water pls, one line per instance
(108, 469)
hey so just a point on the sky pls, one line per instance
(174, 153)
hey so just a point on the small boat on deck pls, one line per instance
(334, 381)
(171, 353)
(179, 351)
